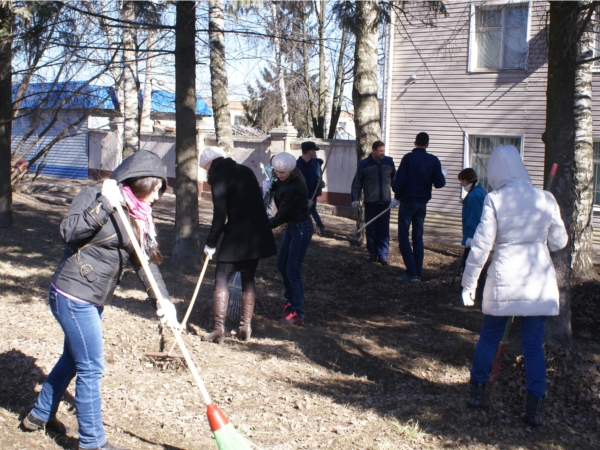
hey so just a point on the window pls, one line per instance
(500, 37)
(480, 149)
(597, 173)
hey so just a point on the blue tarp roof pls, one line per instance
(51, 95)
(163, 101)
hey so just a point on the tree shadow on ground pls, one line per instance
(20, 376)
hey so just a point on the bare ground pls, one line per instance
(379, 365)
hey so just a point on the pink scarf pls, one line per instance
(141, 212)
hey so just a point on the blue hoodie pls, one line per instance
(418, 171)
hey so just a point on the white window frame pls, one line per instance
(467, 147)
(473, 50)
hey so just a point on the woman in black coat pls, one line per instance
(238, 214)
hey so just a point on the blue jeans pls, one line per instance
(83, 356)
(378, 233)
(412, 213)
(532, 339)
(293, 247)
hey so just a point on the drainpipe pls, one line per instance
(389, 65)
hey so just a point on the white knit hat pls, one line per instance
(210, 154)
(283, 162)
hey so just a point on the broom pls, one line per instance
(225, 434)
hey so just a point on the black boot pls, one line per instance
(476, 391)
(533, 411)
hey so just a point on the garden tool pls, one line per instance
(352, 237)
(225, 434)
(170, 353)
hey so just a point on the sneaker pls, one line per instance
(381, 260)
(287, 308)
(31, 423)
(107, 446)
(373, 259)
(407, 277)
(292, 319)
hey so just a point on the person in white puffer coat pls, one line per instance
(522, 224)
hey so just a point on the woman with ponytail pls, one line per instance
(97, 250)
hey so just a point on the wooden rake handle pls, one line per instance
(146, 267)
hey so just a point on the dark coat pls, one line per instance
(471, 211)
(375, 178)
(238, 213)
(97, 244)
(311, 171)
(291, 201)
(418, 171)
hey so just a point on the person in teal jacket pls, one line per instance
(472, 204)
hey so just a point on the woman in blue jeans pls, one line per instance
(522, 223)
(292, 209)
(97, 250)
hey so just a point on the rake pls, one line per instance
(352, 237)
(226, 435)
(170, 353)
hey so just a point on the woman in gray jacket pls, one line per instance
(97, 250)
(522, 224)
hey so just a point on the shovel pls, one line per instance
(352, 237)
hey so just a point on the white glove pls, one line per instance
(208, 251)
(266, 185)
(355, 204)
(444, 172)
(468, 297)
(394, 203)
(468, 242)
(167, 313)
(310, 203)
(111, 191)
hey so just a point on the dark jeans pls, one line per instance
(378, 233)
(532, 339)
(293, 247)
(315, 215)
(412, 214)
(83, 355)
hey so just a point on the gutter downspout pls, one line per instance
(389, 65)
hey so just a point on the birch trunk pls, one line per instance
(6, 211)
(130, 87)
(218, 77)
(320, 131)
(146, 120)
(568, 142)
(306, 60)
(280, 80)
(364, 90)
(338, 89)
(187, 247)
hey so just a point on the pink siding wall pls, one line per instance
(507, 102)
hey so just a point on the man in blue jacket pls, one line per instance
(417, 173)
(310, 167)
(374, 176)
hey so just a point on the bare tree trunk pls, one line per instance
(306, 62)
(187, 246)
(320, 131)
(364, 90)
(218, 77)
(146, 120)
(338, 89)
(280, 79)
(130, 87)
(568, 142)
(6, 18)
